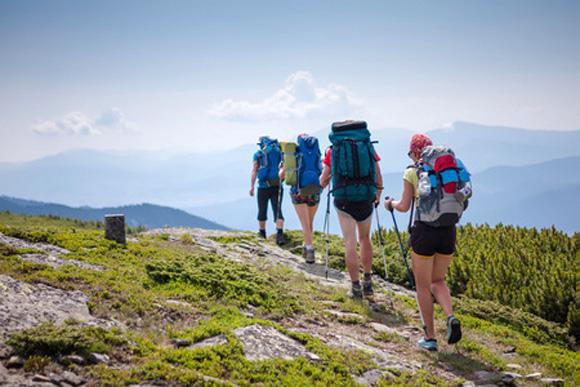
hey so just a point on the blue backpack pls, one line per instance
(269, 161)
(353, 166)
(309, 165)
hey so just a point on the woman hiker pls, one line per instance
(305, 192)
(432, 249)
(356, 186)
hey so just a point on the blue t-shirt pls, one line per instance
(256, 158)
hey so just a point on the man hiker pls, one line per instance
(266, 162)
(352, 164)
(301, 171)
(436, 187)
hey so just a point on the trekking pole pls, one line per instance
(382, 242)
(326, 229)
(411, 280)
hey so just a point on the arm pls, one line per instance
(253, 177)
(379, 184)
(404, 204)
(325, 176)
(282, 172)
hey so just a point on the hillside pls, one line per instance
(145, 215)
(197, 307)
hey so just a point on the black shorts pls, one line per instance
(269, 194)
(428, 241)
(358, 210)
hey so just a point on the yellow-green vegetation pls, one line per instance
(164, 289)
(418, 379)
(70, 338)
(523, 268)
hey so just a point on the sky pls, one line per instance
(196, 76)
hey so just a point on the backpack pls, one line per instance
(353, 162)
(269, 161)
(309, 165)
(444, 187)
(289, 157)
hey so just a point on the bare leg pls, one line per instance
(366, 247)
(348, 227)
(311, 213)
(262, 224)
(423, 269)
(439, 287)
(303, 216)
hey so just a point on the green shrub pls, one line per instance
(48, 339)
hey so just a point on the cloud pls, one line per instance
(300, 97)
(77, 123)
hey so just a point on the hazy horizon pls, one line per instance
(191, 76)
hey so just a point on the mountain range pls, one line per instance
(215, 185)
(147, 215)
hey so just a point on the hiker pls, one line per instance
(436, 186)
(301, 170)
(265, 166)
(352, 164)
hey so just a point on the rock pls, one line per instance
(99, 358)
(15, 362)
(5, 351)
(216, 340)
(553, 381)
(72, 378)
(485, 376)
(72, 359)
(24, 305)
(179, 343)
(468, 384)
(382, 328)
(346, 317)
(56, 379)
(514, 366)
(510, 349)
(115, 228)
(370, 378)
(508, 378)
(262, 343)
(40, 378)
(534, 376)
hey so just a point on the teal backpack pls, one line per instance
(354, 177)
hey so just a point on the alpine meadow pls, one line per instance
(289, 193)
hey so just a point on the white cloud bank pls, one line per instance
(77, 123)
(300, 97)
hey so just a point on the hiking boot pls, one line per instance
(280, 239)
(304, 252)
(368, 288)
(310, 257)
(356, 292)
(262, 234)
(428, 344)
(453, 330)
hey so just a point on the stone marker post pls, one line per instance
(115, 228)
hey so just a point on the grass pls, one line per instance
(139, 278)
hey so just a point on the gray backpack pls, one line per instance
(444, 187)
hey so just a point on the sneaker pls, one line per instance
(453, 330)
(310, 257)
(262, 234)
(280, 239)
(368, 288)
(356, 292)
(428, 344)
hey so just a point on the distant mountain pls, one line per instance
(147, 215)
(539, 195)
(203, 181)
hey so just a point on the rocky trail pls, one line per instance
(386, 333)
